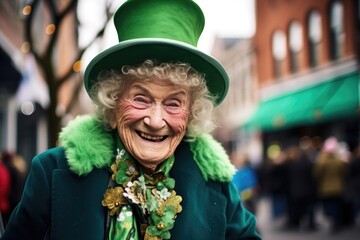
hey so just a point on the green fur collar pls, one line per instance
(88, 145)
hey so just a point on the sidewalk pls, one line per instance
(272, 230)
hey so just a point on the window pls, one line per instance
(314, 37)
(295, 44)
(336, 30)
(278, 51)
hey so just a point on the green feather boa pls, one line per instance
(88, 145)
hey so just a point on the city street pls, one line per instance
(272, 230)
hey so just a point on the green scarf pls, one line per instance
(137, 200)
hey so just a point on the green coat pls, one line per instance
(64, 189)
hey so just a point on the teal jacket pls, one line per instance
(63, 193)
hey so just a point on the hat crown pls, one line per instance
(180, 20)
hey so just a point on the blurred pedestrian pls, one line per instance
(347, 201)
(246, 182)
(330, 173)
(302, 190)
(17, 168)
(354, 182)
(5, 186)
(278, 183)
(310, 146)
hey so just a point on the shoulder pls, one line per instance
(212, 159)
(50, 159)
(87, 145)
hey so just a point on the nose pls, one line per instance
(155, 118)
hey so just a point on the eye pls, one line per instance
(173, 106)
(141, 102)
(173, 103)
(141, 99)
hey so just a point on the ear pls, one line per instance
(113, 122)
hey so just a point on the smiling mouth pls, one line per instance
(151, 138)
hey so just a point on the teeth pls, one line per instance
(153, 138)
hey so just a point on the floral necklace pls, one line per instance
(152, 196)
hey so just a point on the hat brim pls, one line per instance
(136, 51)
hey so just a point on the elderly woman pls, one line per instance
(145, 166)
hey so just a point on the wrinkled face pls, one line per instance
(151, 119)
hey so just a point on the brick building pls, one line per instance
(304, 77)
(308, 71)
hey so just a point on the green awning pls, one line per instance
(334, 99)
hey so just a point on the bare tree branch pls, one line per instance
(44, 55)
(76, 93)
(81, 51)
(52, 37)
(70, 7)
(28, 29)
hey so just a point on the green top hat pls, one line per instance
(165, 30)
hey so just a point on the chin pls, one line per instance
(150, 164)
(152, 158)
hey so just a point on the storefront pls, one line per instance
(10, 79)
(329, 108)
(22, 124)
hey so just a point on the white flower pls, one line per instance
(121, 217)
(130, 184)
(120, 153)
(142, 182)
(130, 192)
(126, 211)
(164, 193)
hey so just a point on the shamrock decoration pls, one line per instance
(162, 223)
(123, 169)
(114, 199)
(153, 194)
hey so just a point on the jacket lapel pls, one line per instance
(79, 199)
(201, 217)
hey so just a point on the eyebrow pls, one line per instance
(172, 94)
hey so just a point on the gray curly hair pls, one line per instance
(111, 84)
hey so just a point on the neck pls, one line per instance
(148, 168)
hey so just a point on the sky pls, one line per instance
(225, 18)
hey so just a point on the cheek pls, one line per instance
(178, 121)
(127, 114)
